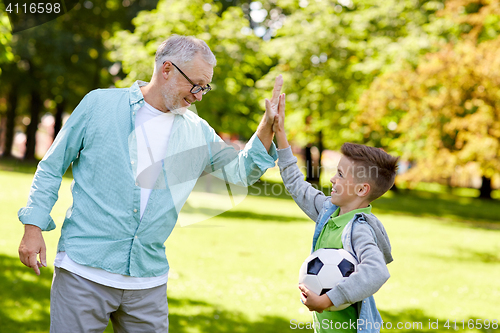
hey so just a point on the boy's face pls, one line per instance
(344, 185)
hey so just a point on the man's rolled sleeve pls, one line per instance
(242, 167)
(38, 217)
(260, 156)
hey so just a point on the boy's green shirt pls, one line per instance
(330, 237)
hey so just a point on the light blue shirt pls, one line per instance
(103, 228)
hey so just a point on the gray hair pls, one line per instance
(182, 49)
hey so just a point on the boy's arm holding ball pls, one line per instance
(314, 302)
(371, 272)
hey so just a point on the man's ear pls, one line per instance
(166, 69)
(362, 189)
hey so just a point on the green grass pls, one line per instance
(237, 272)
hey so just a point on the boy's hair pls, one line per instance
(372, 165)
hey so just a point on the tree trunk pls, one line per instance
(313, 166)
(35, 108)
(311, 173)
(11, 121)
(58, 118)
(485, 190)
(308, 158)
(320, 148)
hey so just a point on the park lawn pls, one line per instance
(237, 272)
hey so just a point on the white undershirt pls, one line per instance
(152, 129)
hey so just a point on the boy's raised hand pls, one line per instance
(265, 129)
(279, 118)
(272, 105)
(312, 301)
(279, 124)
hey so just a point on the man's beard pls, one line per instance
(169, 100)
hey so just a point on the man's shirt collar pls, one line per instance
(136, 93)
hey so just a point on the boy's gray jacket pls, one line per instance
(364, 237)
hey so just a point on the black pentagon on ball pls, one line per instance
(346, 267)
(324, 291)
(314, 266)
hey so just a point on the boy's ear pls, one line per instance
(362, 189)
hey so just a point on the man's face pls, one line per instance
(344, 183)
(176, 90)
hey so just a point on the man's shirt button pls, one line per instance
(135, 210)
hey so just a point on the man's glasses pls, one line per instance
(196, 87)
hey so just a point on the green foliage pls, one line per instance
(64, 59)
(230, 106)
(477, 19)
(5, 37)
(443, 114)
(329, 53)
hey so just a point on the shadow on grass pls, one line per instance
(415, 320)
(22, 166)
(245, 215)
(209, 318)
(25, 304)
(468, 256)
(25, 307)
(471, 212)
(276, 190)
(25, 297)
(242, 215)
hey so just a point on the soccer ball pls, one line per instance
(324, 268)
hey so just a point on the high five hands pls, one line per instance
(275, 113)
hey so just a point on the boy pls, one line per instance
(344, 220)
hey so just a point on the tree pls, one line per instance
(442, 114)
(477, 19)
(231, 106)
(7, 57)
(5, 38)
(330, 51)
(58, 62)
